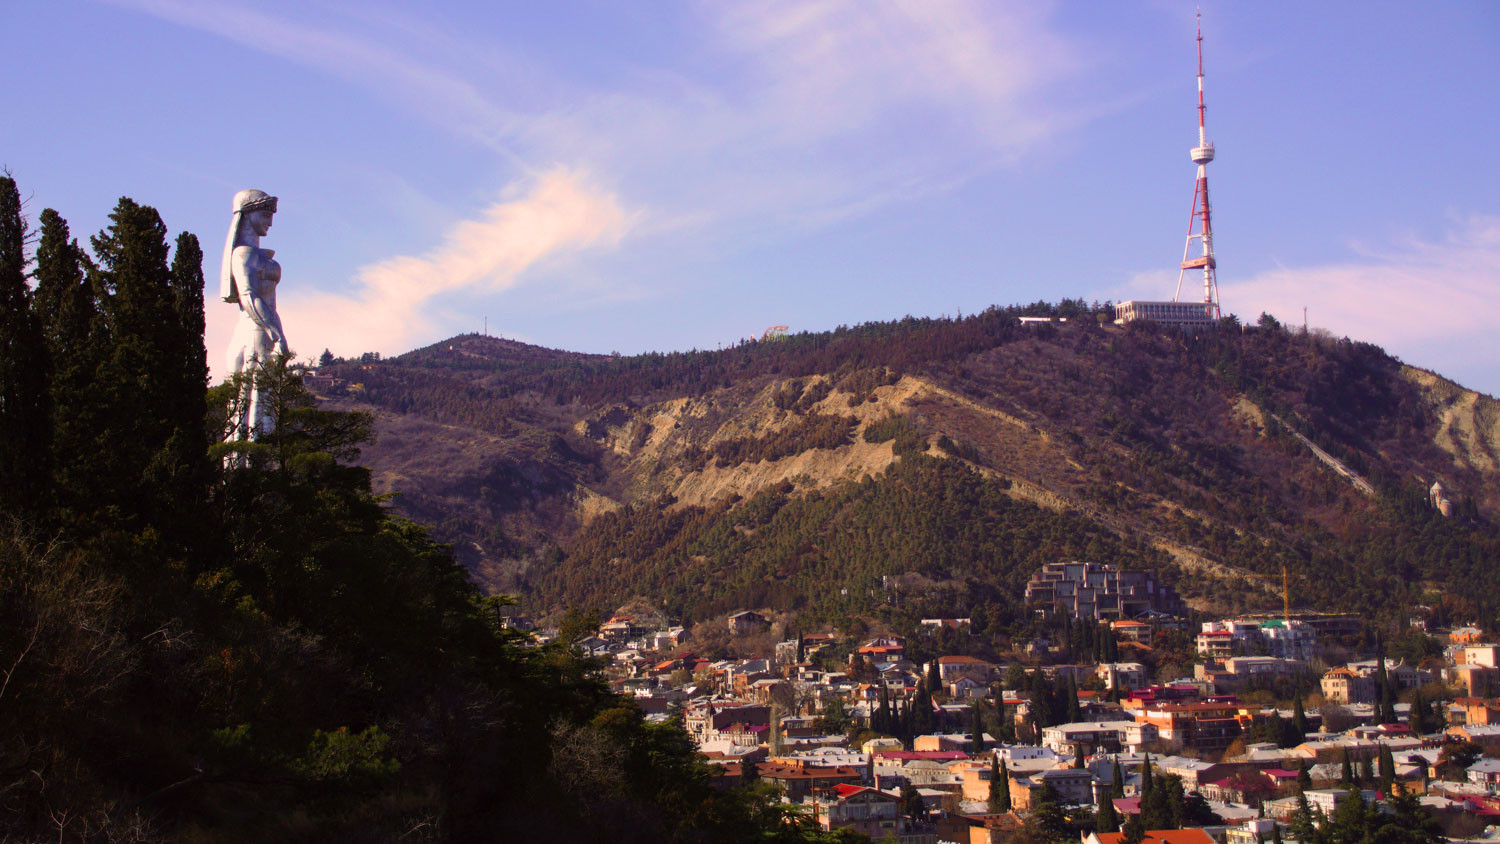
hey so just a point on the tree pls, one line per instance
(65, 305)
(24, 413)
(911, 802)
(1304, 779)
(1420, 717)
(1304, 826)
(934, 677)
(1299, 719)
(1106, 819)
(976, 729)
(1047, 822)
(1346, 769)
(1117, 781)
(1387, 769)
(1134, 831)
(999, 796)
(325, 359)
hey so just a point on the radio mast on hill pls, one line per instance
(1201, 154)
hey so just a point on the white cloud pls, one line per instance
(558, 213)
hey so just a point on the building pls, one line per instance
(1099, 591)
(1095, 736)
(1210, 725)
(1258, 637)
(745, 623)
(1190, 316)
(1122, 675)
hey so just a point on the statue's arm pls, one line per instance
(246, 273)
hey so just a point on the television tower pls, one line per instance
(1201, 154)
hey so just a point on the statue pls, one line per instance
(248, 277)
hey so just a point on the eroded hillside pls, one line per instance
(767, 475)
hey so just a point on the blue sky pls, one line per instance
(605, 176)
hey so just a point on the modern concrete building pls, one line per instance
(1099, 591)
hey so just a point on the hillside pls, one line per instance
(930, 465)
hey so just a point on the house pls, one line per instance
(799, 778)
(1121, 675)
(863, 810)
(951, 668)
(1343, 685)
(1130, 630)
(1485, 772)
(1093, 736)
(1074, 785)
(747, 622)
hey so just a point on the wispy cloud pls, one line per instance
(558, 213)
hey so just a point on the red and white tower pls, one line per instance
(1200, 219)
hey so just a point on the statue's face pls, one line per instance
(260, 222)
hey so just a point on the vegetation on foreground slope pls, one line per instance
(265, 653)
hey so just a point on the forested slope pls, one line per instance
(797, 473)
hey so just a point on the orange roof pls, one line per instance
(1163, 836)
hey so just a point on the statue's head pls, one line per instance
(255, 208)
(247, 201)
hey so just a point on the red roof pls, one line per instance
(1163, 836)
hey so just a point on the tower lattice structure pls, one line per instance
(1200, 217)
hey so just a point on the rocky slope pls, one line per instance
(708, 478)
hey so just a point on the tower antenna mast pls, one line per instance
(1200, 218)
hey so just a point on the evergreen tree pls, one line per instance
(142, 374)
(1299, 719)
(1304, 779)
(911, 802)
(1419, 717)
(999, 796)
(1070, 690)
(934, 677)
(1346, 770)
(1134, 831)
(1366, 772)
(1117, 781)
(976, 729)
(1304, 827)
(24, 414)
(1276, 834)
(749, 772)
(65, 305)
(1047, 822)
(1387, 769)
(326, 359)
(1105, 817)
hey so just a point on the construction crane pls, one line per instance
(1286, 593)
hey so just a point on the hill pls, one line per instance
(930, 465)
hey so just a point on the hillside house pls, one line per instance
(746, 623)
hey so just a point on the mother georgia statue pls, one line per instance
(248, 278)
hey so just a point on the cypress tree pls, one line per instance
(1417, 719)
(999, 796)
(1346, 772)
(24, 415)
(1106, 819)
(976, 730)
(1117, 784)
(1299, 719)
(934, 677)
(1071, 690)
(66, 309)
(142, 370)
(1387, 769)
(1304, 779)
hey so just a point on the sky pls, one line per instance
(606, 176)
